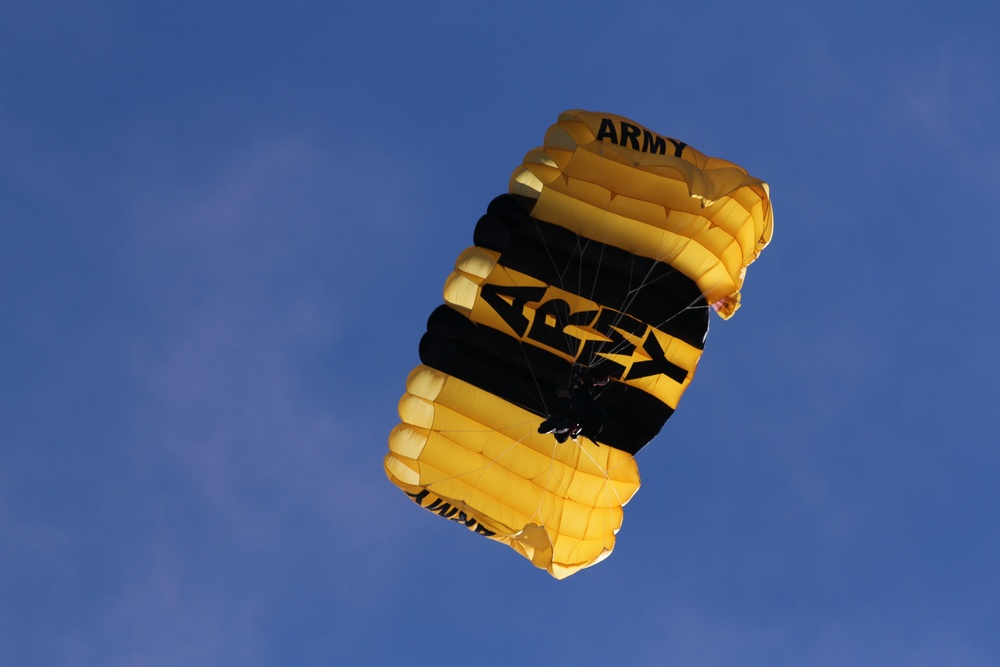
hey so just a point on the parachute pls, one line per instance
(569, 332)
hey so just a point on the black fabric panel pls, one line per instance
(668, 300)
(524, 374)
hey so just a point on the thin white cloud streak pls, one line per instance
(949, 97)
(233, 316)
(689, 633)
(946, 98)
(243, 468)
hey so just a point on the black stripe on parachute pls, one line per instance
(645, 291)
(523, 374)
(650, 291)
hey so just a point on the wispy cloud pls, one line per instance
(949, 98)
(245, 458)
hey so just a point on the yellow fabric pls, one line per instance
(478, 460)
(705, 216)
(477, 266)
(560, 505)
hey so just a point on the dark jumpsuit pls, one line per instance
(577, 412)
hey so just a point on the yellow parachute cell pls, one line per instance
(569, 332)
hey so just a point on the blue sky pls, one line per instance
(222, 229)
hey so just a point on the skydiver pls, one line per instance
(579, 413)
